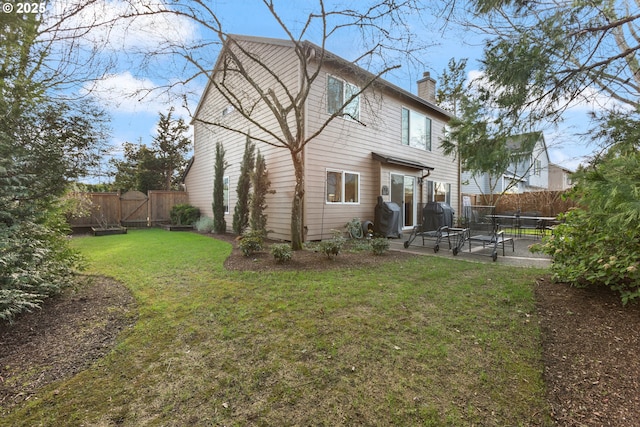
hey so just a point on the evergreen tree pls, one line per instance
(139, 170)
(452, 86)
(171, 146)
(261, 184)
(241, 209)
(218, 205)
(43, 145)
(157, 167)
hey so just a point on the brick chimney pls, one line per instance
(427, 87)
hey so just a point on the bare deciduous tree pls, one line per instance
(382, 26)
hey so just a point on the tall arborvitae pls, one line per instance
(261, 184)
(241, 210)
(218, 205)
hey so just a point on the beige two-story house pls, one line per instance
(384, 142)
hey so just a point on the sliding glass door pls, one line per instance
(403, 193)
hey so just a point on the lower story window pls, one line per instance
(438, 192)
(343, 187)
(225, 194)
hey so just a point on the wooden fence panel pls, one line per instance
(544, 203)
(161, 202)
(132, 209)
(102, 208)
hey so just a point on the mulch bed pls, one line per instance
(590, 350)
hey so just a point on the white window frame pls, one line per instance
(227, 110)
(342, 174)
(225, 193)
(407, 138)
(435, 188)
(350, 111)
(537, 167)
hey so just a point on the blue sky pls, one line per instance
(135, 116)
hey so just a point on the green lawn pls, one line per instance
(430, 342)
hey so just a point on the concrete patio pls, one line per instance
(521, 256)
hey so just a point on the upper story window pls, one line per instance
(416, 129)
(227, 110)
(338, 93)
(537, 167)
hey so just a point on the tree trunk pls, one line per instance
(297, 221)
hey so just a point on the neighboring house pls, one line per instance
(387, 144)
(559, 178)
(528, 171)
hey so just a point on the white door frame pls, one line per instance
(409, 195)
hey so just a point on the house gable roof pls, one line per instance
(329, 58)
(562, 168)
(526, 143)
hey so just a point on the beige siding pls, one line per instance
(344, 145)
(347, 145)
(199, 180)
(200, 177)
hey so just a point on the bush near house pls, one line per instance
(379, 245)
(332, 247)
(281, 252)
(184, 214)
(599, 242)
(251, 242)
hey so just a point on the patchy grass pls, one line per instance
(430, 341)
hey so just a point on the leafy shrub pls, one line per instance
(184, 214)
(332, 247)
(261, 188)
(599, 243)
(586, 253)
(281, 252)
(359, 245)
(204, 224)
(379, 245)
(251, 242)
(36, 262)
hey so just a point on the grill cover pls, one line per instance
(436, 215)
(387, 219)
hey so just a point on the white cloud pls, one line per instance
(473, 75)
(125, 93)
(117, 25)
(593, 99)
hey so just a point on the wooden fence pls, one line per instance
(131, 209)
(544, 203)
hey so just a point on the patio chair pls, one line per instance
(508, 221)
(529, 221)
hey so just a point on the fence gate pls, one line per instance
(135, 209)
